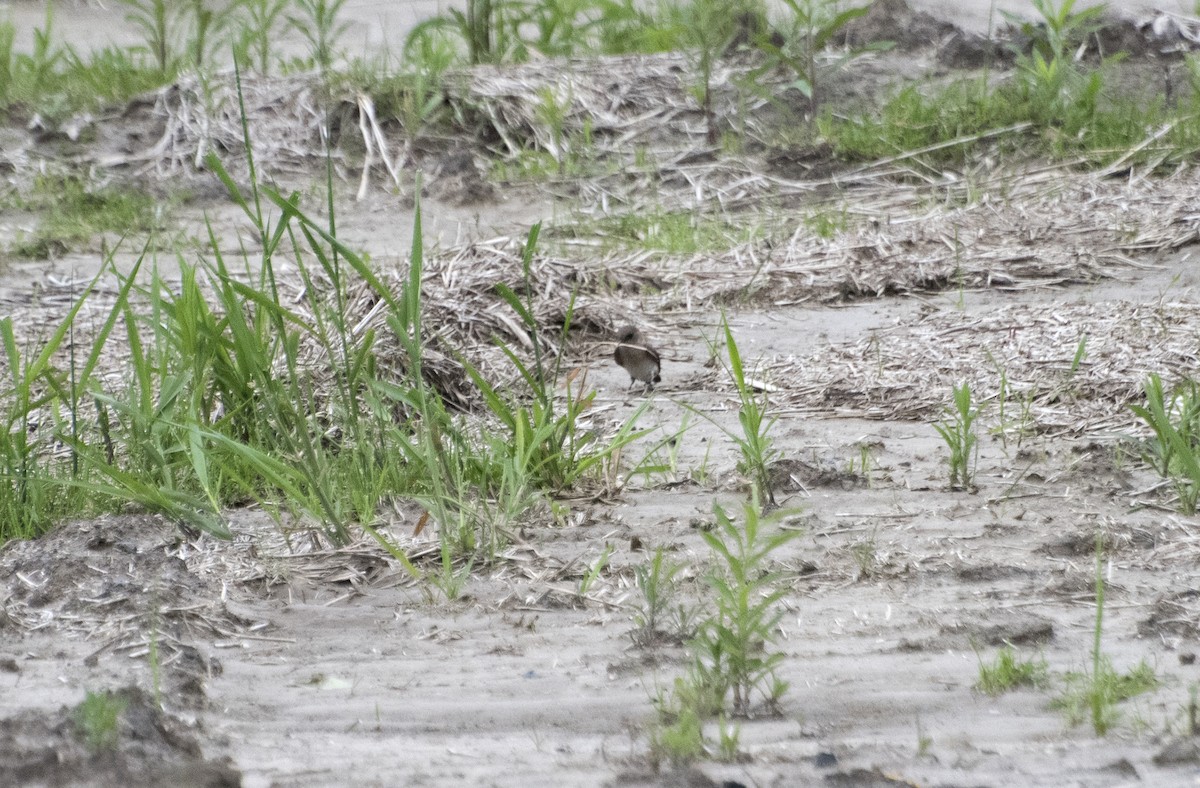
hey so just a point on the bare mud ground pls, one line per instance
(286, 663)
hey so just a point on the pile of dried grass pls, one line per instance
(1045, 228)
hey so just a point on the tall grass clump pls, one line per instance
(479, 481)
(40, 403)
(97, 719)
(232, 394)
(75, 210)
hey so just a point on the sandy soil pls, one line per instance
(335, 669)
(381, 27)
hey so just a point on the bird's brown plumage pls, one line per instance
(637, 358)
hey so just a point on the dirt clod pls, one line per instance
(152, 749)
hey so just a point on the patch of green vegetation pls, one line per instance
(528, 165)
(732, 661)
(957, 430)
(1007, 672)
(1051, 106)
(97, 718)
(1095, 694)
(827, 223)
(413, 95)
(56, 81)
(755, 443)
(219, 404)
(37, 489)
(1010, 119)
(679, 740)
(568, 155)
(1174, 451)
(74, 211)
(673, 232)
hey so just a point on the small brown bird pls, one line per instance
(637, 358)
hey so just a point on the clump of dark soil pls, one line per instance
(893, 21)
(151, 749)
(131, 569)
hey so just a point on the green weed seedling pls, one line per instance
(731, 662)
(1093, 695)
(1051, 75)
(450, 577)
(865, 466)
(1006, 423)
(1008, 672)
(657, 582)
(924, 740)
(811, 25)
(318, 21)
(97, 718)
(1174, 451)
(662, 458)
(679, 741)
(865, 552)
(754, 441)
(958, 431)
(1080, 355)
(594, 571)
(729, 739)
(732, 647)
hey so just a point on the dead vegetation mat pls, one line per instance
(1045, 228)
(907, 229)
(1069, 368)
